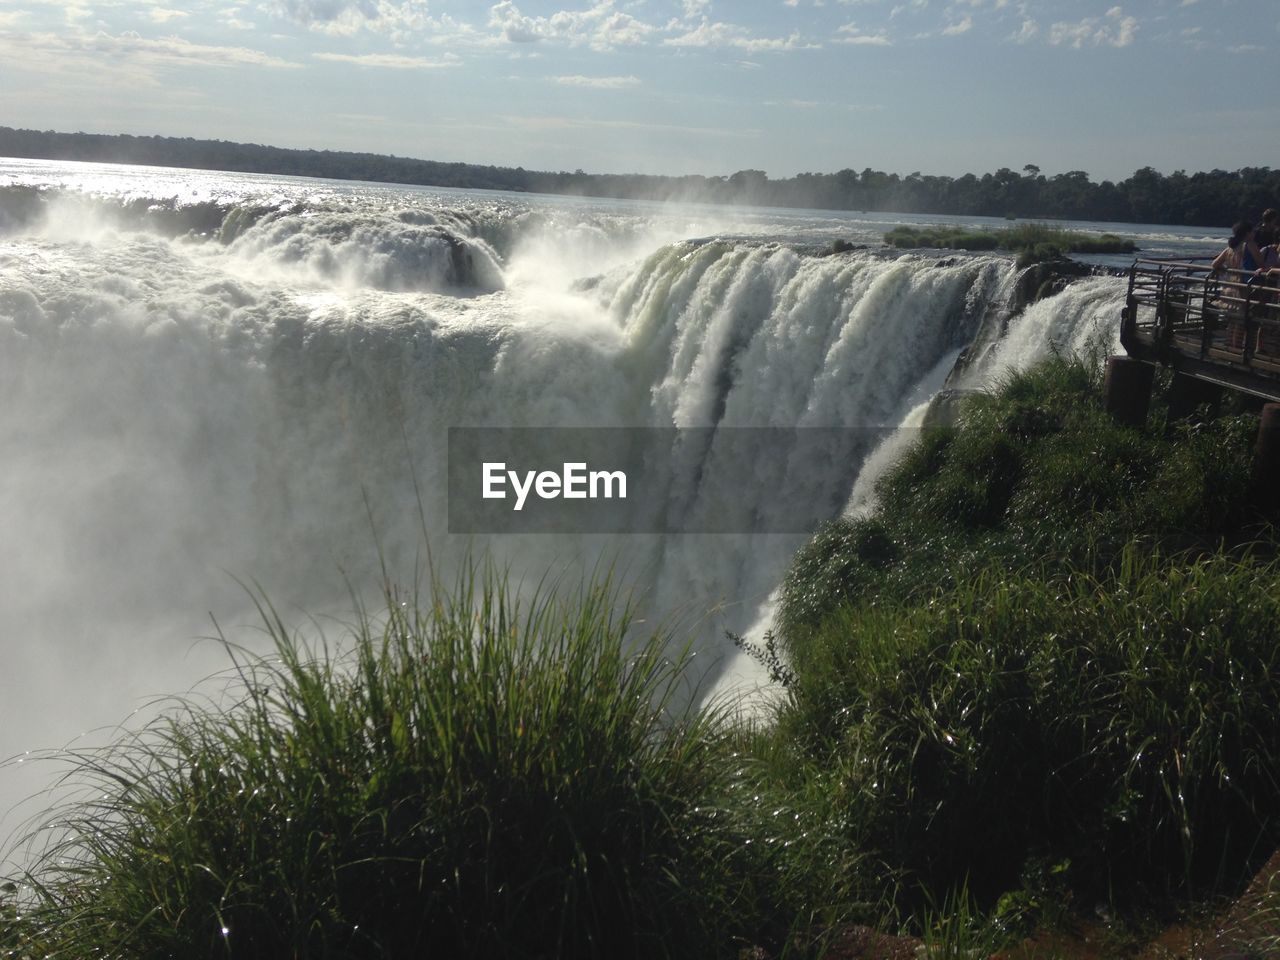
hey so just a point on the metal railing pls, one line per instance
(1221, 326)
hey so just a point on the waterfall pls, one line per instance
(256, 385)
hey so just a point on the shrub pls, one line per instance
(473, 777)
(1123, 722)
(1033, 242)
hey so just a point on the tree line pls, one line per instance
(1216, 198)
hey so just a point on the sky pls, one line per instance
(670, 86)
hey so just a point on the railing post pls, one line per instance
(1127, 389)
(1187, 392)
(1208, 319)
(1250, 325)
(1266, 455)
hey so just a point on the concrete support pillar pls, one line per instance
(1266, 455)
(1186, 393)
(1127, 389)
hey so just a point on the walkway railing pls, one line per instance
(1224, 327)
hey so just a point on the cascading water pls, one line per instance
(213, 377)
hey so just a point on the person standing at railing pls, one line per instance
(1241, 253)
(1239, 260)
(1268, 277)
(1268, 239)
(1268, 232)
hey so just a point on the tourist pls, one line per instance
(1241, 254)
(1268, 233)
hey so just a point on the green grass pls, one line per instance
(463, 776)
(1032, 242)
(1124, 722)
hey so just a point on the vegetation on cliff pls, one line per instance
(1032, 242)
(1050, 652)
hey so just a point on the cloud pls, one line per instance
(720, 34)
(515, 26)
(964, 26)
(1115, 30)
(1027, 32)
(851, 33)
(391, 61)
(163, 15)
(159, 51)
(97, 62)
(600, 26)
(397, 18)
(598, 83)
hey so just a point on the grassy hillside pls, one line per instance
(1051, 648)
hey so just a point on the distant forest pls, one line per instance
(1213, 199)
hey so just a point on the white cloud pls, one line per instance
(851, 33)
(230, 17)
(515, 27)
(390, 61)
(1115, 30)
(598, 83)
(398, 18)
(720, 34)
(164, 15)
(167, 50)
(1026, 32)
(600, 26)
(95, 60)
(964, 26)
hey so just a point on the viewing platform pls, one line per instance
(1221, 329)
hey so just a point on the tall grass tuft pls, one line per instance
(465, 775)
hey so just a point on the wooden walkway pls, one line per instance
(1221, 329)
